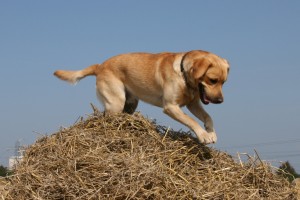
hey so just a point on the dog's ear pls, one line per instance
(199, 68)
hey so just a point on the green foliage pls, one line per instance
(287, 171)
(3, 171)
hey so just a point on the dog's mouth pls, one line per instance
(202, 93)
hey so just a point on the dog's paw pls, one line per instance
(208, 138)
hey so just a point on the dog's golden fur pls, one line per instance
(167, 80)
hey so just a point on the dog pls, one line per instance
(168, 80)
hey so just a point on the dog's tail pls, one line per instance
(74, 76)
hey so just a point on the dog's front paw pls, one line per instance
(207, 138)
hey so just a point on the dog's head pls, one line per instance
(207, 72)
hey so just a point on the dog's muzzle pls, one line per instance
(205, 99)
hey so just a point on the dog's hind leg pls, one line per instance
(131, 103)
(112, 95)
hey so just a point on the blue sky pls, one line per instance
(259, 38)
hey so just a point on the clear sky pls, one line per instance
(261, 40)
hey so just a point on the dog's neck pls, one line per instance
(184, 73)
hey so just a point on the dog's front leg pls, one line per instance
(197, 110)
(176, 113)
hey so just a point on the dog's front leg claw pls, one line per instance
(207, 138)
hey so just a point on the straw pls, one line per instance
(129, 157)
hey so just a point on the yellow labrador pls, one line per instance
(167, 80)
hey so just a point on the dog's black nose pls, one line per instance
(219, 100)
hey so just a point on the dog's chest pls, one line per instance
(186, 96)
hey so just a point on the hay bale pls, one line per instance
(296, 184)
(3, 185)
(128, 157)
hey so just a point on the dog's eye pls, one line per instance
(213, 81)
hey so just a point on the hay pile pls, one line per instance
(128, 157)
